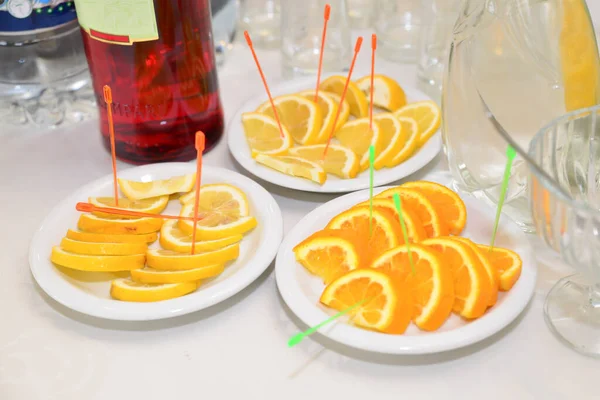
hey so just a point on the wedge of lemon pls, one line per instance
(392, 138)
(329, 105)
(358, 137)
(90, 263)
(151, 275)
(137, 226)
(108, 238)
(410, 140)
(428, 116)
(173, 238)
(220, 196)
(167, 260)
(152, 205)
(144, 190)
(103, 249)
(359, 106)
(387, 93)
(340, 160)
(263, 135)
(344, 114)
(128, 290)
(295, 166)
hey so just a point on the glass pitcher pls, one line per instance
(528, 62)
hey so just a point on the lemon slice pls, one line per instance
(392, 139)
(153, 205)
(299, 115)
(340, 160)
(167, 260)
(173, 238)
(150, 275)
(329, 105)
(428, 116)
(90, 263)
(295, 166)
(410, 139)
(387, 93)
(144, 190)
(94, 224)
(345, 114)
(103, 249)
(219, 197)
(357, 136)
(108, 238)
(128, 290)
(359, 106)
(263, 135)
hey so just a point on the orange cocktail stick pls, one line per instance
(199, 149)
(337, 115)
(262, 76)
(327, 12)
(87, 207)
(111, 129)
(373, 48)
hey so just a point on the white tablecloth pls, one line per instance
(236, 349)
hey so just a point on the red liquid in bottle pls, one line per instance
(164, 90)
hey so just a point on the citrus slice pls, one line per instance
(329, 106)
(151, 275)
(83, 262)
(358, 137)
(173, 238)
(383, 234)
(471, 284)
(153, 205)
(302, 118)
(128, 290)
(331, 253)
(414, 226)
(492, 273)
(507, 263)
(340, 160)
(167, 260)
(392, 138)
(431, 285)
(387, 93)
(108, 238)
(420, 204)
(428, 116)
(387, 306)
(263, 135)
(410, 140)
(219, 197)
(144, 190)
(359, 106)
(295, 166)
(448, 204)
(137, 226)
(103, 249)
(344, 114)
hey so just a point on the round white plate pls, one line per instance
(301, 290)
(88, 292)
(238, 146)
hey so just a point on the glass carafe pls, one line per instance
(528, 62)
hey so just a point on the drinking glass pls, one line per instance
(530, 61)
(224, 21)
(566, 212)
(261, 18)
(362, 13)
(398, 29)
(301, 33)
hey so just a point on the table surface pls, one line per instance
(237, 348)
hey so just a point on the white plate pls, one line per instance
(241, 152)
(301, 290)
(88, 292)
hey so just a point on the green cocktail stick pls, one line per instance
(510, 156)
(300, 336)
(398, 203)
(371, 174)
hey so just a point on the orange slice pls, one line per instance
(423, 208)
(471, 283)
(414, 226)
(331, 253)
(387, 305)
(507, 263)
(448, 204)
(431, 284)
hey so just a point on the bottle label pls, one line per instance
(18, 17)
(118, 21)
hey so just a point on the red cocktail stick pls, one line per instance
(199, 149)
(262, 76)
(327, 12)
(337, 115)
(373, 48)
(87, 207)
(111, 129)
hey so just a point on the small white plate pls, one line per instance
(88, 292)
(238, 146)
(301, 290)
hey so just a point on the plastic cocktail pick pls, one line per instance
(300, 336)
(199, 149)
(398, 204)
(262, 76)
(111, 129)
(87, 207)
(373, 48)
(510, 156)
(337, 115)
(371, 176)
(326, 17)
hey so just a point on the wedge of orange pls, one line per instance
(414, 226)
(383, 234)
(507, 263)
(331, 253)
(387, 305)
(431, 283)
(471, 284)
(433, 225)
(448, 204)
